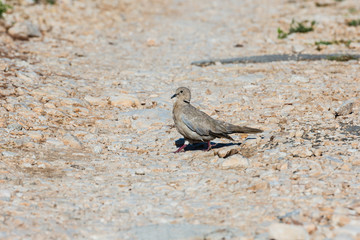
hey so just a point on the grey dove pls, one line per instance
(196, 126)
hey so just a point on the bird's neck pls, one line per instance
(182, 103)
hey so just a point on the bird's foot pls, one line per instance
(180, 148)
(209, 147)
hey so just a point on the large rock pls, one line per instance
(24, 30)
(227, 151)
(345, 108)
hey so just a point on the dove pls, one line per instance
(196, 126)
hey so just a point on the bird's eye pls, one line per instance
(181, 91)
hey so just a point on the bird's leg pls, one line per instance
(209, 146)
(181, 148)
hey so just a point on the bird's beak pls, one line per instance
(173, 96)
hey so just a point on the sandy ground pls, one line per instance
(87, 137)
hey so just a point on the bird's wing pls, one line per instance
(201, 123)
(194, 125)
(196, 120)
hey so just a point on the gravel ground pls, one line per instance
(87, 137)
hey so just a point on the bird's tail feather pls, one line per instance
(241, 129)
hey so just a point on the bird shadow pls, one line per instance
(202, 146)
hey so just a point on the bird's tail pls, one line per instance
(241, 129)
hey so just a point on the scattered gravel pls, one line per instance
(87, 137)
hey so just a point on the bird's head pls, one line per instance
(182, 94)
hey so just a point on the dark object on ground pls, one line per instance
(278, 57)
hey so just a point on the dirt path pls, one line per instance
(87, 137)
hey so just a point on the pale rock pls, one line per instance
(346, 167)
(283, 166)
(42, 166)
(302, 152)
(55, 142)
(299, 79)
(282, 231)
(235, 162)
(345, 108)
(110, 124)
(7, 91)
(334, 160)
(26, 165)
(115, 146)
(55, 113)
(73, 102)
(37, 136)
(29, 2)
(5, 195)
(40, 128)
(318, 152)
(310, 228)
(355, 45)
(184, 231)
(9, 20)
(24, 30)
(97, 101)
(141, 171)
(296, 49)
(351, 229)
(355, 160)
(8, 154)
(299, 133)
(15, 127)
(28, 77)
(97, 149)
(72, 141)
(49, 92)
(82, 111)
(124, 100)
(226, 151)
(4, 66)
(259, 186)
(340, 219)
(272, 120)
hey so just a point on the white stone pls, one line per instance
(297, 49)
(72, 141)
(302, 151)
(73, 102)
(55, 142)
(97, 149)
(29, 77)
(36, 135)
(49, 92)
(227, 151)
(352, 229)
(97, 101)
(282, 231)
(5, 195)
(124, 100)
(345, 108)
(24, 30)
(15, 127)
(235, 161)
(299, 79)
(8, 154)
